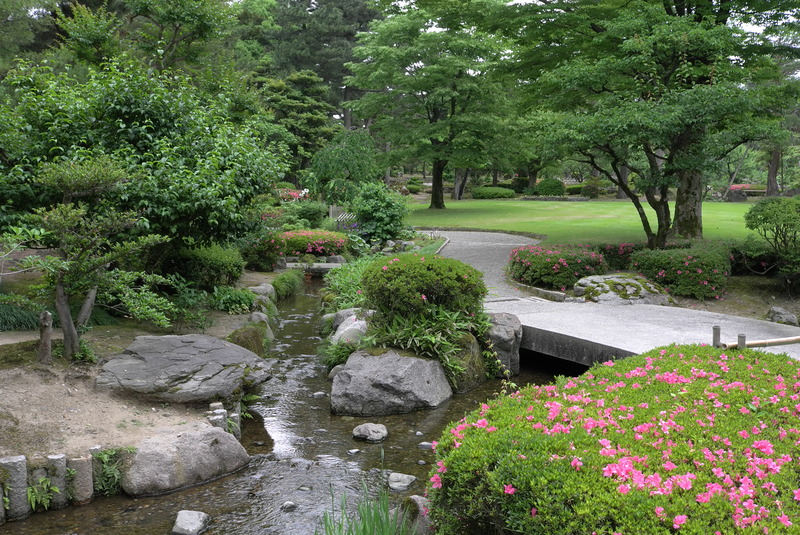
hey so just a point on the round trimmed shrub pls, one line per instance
(592, 188)
(550, 187)
(316, 242)
(208, 266)
(558, 266)
(684, 439)
(489, 192)
(699, 272)
(407, 283)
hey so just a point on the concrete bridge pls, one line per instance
(589, 332)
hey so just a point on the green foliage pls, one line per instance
(334, 354)
(261, 249)
(700, 272)
(41, 494)
(380, 212)
(108, 479)
(550, 187)
(777, 220)
(18, 314)
(342, 166)
(408, 284)
(592, 187)
(252, 337)
(557, 266)
(208, 266)
(343, 284)
(232, 300)
(316, 242)
(434, 332)
(288, 283)
(618, 255)
(574, 189)
(190, 305)
(488, 192)
(373, 517)
(678, 438)
(84, 352)
(311, 212)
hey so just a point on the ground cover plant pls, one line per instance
(566, 222)
(681, 439)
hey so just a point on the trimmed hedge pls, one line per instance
(574, 189)
(209, 266)
(316, 242)
(699, 272)
(557, 266)
(550, 187)
(407, 283)
(489, 192)
(683, 439)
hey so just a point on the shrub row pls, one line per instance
(558, 266)
(684, 439)
(488, 192)
(316, 242)
(699, 272)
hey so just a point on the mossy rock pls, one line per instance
(471, 359)
(253, 336)
(621, 288)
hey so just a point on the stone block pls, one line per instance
(16, 482)
(81, 485)
(57, 472)
(190, 523)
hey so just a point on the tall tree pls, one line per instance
(429, 89)
(319, 35)
(671, 84)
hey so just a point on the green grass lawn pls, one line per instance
(570, 222)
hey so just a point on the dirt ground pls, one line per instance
(56, 409)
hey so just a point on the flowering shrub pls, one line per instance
(407, 283)
(557, 266)
(618, 255)
(699, 272)
(316, 242)
(262, 249)
(685, 439)
(290, 195)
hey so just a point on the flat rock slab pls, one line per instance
(184, 369)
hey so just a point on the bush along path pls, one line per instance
(681, 439)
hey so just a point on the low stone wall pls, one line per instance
(69, 480)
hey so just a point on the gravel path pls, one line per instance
(487, 252)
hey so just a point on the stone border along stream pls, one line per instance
(64, 480)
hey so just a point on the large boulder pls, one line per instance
(781, 315)
(621, 289)
(180, 457)
(184, 369)
(350, 331)
(506, 336)
(388, 383)
(471, 360)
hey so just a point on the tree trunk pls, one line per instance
(460, 184)
(437, 184)
(87, 307)
(772, 173)
(624, 172)
(71, 336)
(533, 176)
(495, 177)
(45, 352)
(689, 205)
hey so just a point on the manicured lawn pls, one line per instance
(570, 222)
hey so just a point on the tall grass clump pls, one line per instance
(288, 283)
(343, 284)
(373, 517)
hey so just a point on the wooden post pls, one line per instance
(45, 353)
(715, 335)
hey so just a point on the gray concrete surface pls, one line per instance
(591, 332)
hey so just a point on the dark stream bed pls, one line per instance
(307, 455)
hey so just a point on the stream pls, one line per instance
(307, 456)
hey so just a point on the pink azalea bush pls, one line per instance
(683, 439)
(316, 242)
(699, 272)
(555, 266)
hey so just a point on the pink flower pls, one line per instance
(436, 481)
(385, 268)
(678, 521)
(509, 489)
(797, 495)
(576, 463)
(533, 511)
(424, 298)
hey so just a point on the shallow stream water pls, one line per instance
(307, 455)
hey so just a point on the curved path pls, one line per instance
(588, 332)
